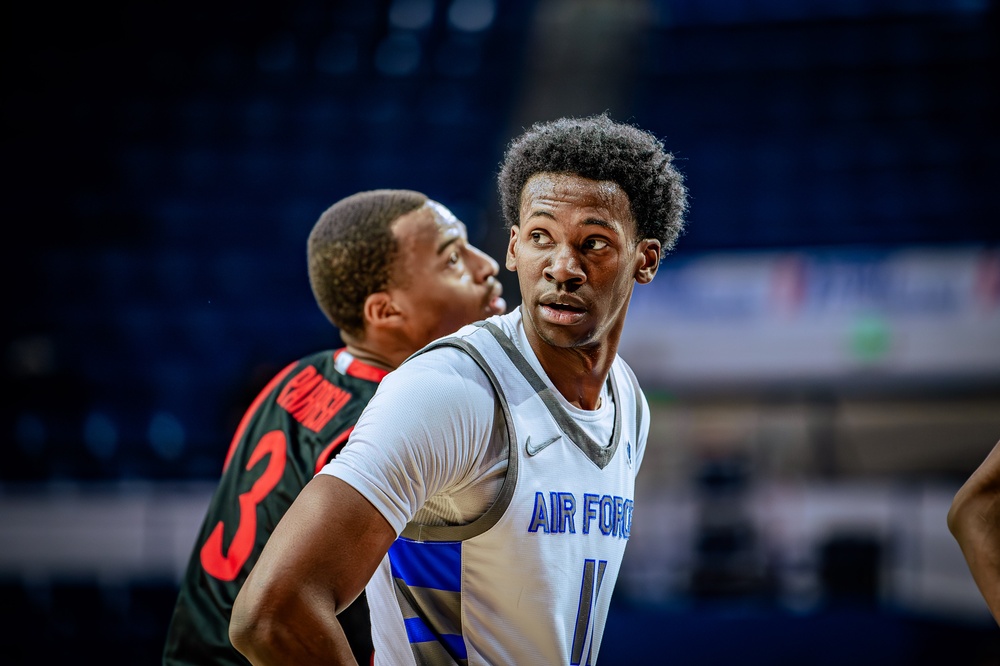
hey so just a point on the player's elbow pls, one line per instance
(244, 629)
(965, 507)
(958, 513)
(251, 628)
(954, 516)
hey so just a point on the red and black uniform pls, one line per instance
(293, 428)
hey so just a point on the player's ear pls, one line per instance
(647, 260)
(511, 260)
(381, 310)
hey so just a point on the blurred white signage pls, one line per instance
(818, 317)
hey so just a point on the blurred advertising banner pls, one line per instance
(895, 317)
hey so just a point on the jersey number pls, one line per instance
(590, 588)
(226, 565)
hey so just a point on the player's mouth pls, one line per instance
(562, 311)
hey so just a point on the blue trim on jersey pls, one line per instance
(433, 564)
(418, 632)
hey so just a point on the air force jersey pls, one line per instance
(529, 578)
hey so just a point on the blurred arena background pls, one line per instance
(822, 350)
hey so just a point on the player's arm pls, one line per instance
(319, 559)
(974, 520)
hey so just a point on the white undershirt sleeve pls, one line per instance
(424, 434)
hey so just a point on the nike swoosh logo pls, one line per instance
(533, 449)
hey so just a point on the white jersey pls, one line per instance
(528, 580)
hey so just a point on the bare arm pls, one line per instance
(974, 520)
(319, 559)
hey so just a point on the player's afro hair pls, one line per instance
(599, 148)
(352, 251)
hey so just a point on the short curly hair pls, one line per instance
(352, 251)
(599, 148)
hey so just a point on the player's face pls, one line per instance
(577, 259)
(448, 282)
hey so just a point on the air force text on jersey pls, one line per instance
(558, 513)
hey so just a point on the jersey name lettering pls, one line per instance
(612, 515)
(311, 399)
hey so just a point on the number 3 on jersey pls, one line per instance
(590, 588)
(225, 566)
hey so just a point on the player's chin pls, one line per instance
(565, 336)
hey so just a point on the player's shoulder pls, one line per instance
(442, 371)
(446, 361)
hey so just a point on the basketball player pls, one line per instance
(487, 491)
(974, 520)
(392, 270)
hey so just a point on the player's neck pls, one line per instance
(578, 379)
(371, 354)
(578, 373)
